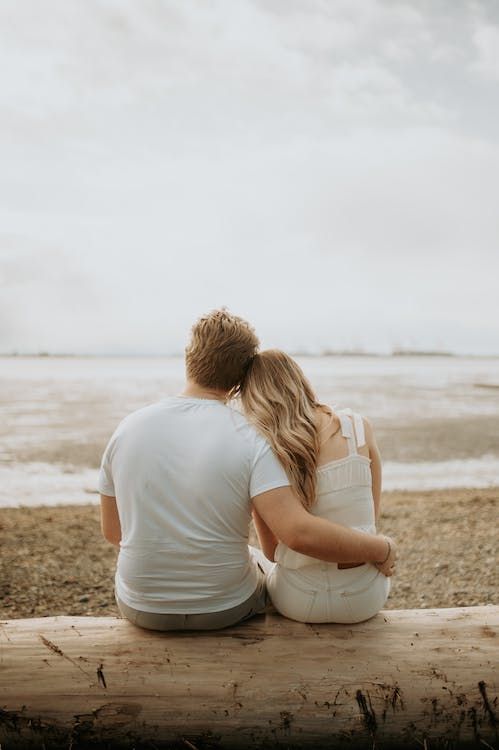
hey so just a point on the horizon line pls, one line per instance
(397, 352)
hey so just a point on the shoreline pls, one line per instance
(53, 560)
(56, 482)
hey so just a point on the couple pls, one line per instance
(181, 479)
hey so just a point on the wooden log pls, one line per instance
(422, 677)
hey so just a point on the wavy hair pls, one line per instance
(278, 399)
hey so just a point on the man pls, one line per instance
(178, 482)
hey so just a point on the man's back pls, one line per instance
(183, 471)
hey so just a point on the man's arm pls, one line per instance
(110, 520)
(268, 540)
(316, 537)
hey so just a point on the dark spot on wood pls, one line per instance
(474, 723)
(439, 675)
(488, 632)
(367, 711)
(4, 631)
(117, 714)
(100, 676)
(248, 640)
(486, 703)
(397, 700)
(56, 650)
(51, 646)
(286, 719)
(9, 719)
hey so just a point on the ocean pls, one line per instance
(436, 417)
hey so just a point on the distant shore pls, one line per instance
(297, 353)
(53, 560)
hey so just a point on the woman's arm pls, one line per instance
(268, 540)
(110, 520)
(375, 457)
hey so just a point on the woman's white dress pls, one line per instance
(305, 589)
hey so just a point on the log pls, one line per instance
(422, 677)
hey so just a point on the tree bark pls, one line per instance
(422, 677)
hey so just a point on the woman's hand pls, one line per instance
(387, 566)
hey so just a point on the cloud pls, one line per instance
(486, 39)
(327, 170)
(47, 295)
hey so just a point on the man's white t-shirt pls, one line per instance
(183, 471)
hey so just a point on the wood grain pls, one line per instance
(406, 675)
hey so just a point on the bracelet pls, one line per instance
(389, 552)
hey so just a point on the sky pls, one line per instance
(328, 169)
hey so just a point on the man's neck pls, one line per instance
(194, 390)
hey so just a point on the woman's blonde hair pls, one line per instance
(278, 399)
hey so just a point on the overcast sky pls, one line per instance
(328, 169)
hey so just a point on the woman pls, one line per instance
(334, 466)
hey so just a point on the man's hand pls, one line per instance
(387, 567)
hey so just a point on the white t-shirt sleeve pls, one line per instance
(105, 484)
(267, 473)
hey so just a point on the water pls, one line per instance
(436, 418)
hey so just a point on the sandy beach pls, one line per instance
(53, 560)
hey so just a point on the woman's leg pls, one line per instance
(362, 603)
(323, 594)
(291, 594)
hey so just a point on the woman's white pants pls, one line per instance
(323, 593)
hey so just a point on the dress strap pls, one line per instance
(352, 428)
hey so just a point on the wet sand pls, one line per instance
(434, 439)
(53, 561)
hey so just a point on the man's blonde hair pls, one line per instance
(220, 351)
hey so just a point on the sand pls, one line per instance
(53, 561)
